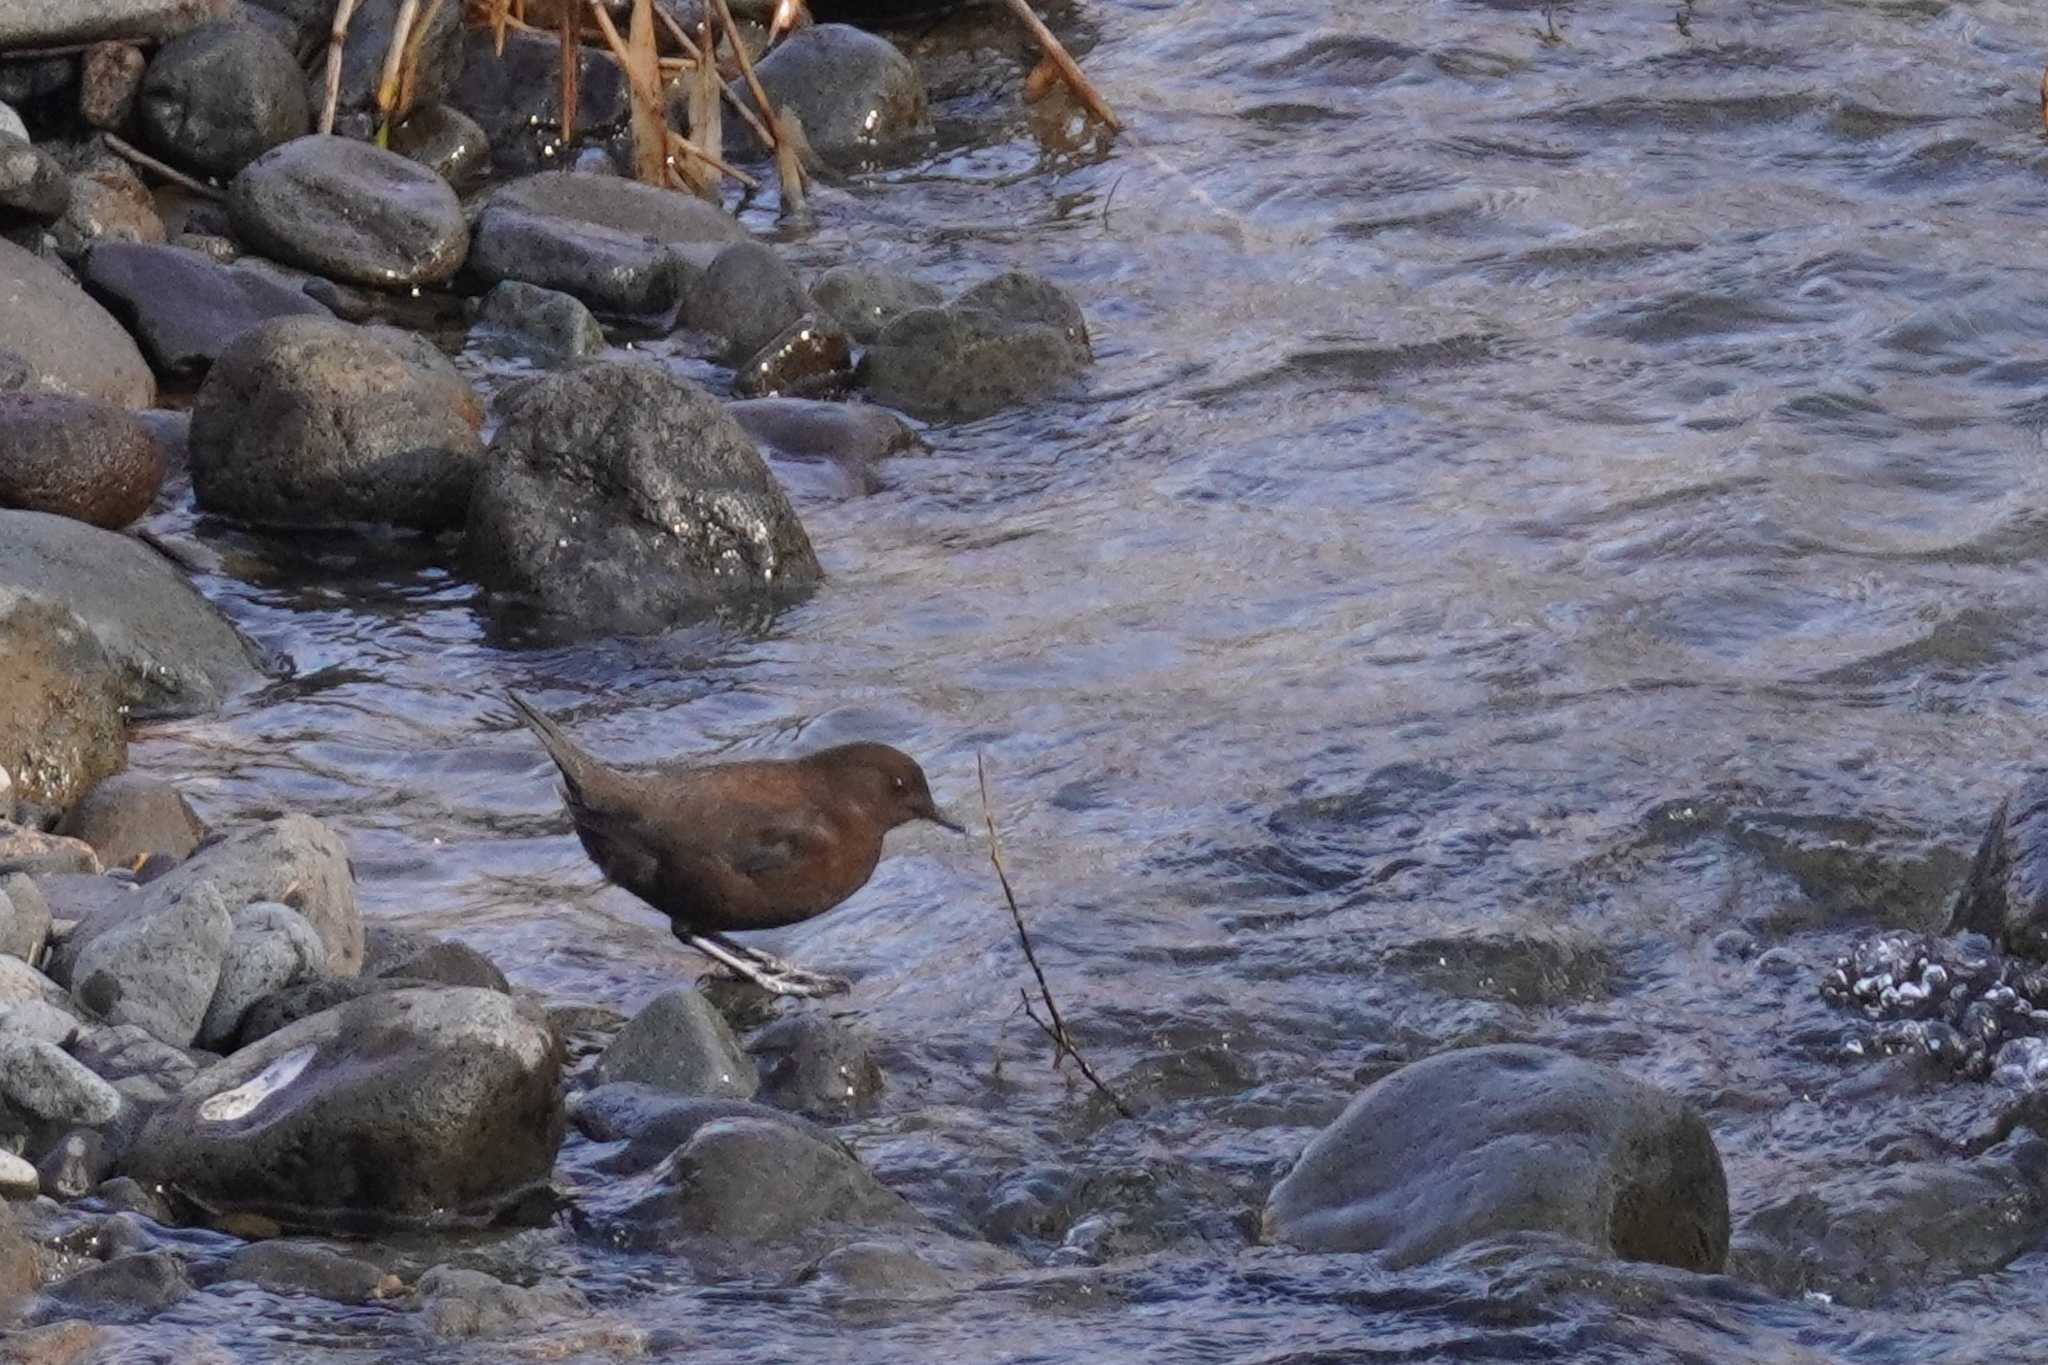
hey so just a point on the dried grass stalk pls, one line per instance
(707, 117)
(394, 62)
(643, 81)
(572, 59)
(1069, 69)
(337, 38)
(415, 52)
(500, 12)
(791, 146)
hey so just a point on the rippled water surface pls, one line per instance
(1573, 484)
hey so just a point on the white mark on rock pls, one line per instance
(233, 1104)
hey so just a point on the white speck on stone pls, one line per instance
(233, 1104)
(874, 118)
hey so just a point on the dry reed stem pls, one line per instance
(790, 146)
(1051, 46)
(415, 48)
(682, 146)
(739, 52)
(572, 57)
(707, 121)
(155, 167)
(1055, 1030)
(394, 61)
(650, 140)
(1042, 78)
(500, 13)
(337, 38)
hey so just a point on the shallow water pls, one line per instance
(1579, 485)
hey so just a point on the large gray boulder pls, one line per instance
(172, 651)
(855, 93)
(315, 422)
(409, 1107)
(184, 307)
(1005, 340)
(1489, 1140)
(217, 98)
(680, 1043)
(402, 224)
(67, 341)
(41, 23)
(159, 969)
(622, 497)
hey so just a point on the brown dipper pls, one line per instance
(750, 845)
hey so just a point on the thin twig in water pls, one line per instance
(149, 163)
(337, 38)
(1069, 68)
(1055, 1030)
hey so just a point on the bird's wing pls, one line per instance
(774, 843)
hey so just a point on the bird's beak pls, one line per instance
(939, 817)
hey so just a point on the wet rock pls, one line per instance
(1467, 1144)
(679, 1042)
(1003, 341)
(24, 917)
(67, 341)
(142, 1068)
(611, 201)
(516, 97)
(827, 450)
(878, 1271)
(129, 816)
(220, 96)
(855, 93)
(184, 308)
(18, 1179)
(171, 650)
(621, 497)
(443, 54)
(807, 357)
(1541, 966)
(1897, 1233)
(404, 226)
(159, 969)
(748, 1179)
(31, 850)
(108, 203)
(109, 79)
(461, 1304)
(61, 724)
(749, 296)
(447, 142)
(296, 861)
(544, 323)
(41, 1079)
(864, 298)
(313, 422)
(816, 1064)
(271, 947)
(422, 958)
(77, 458)
(417, 1105)
(34, 190)
(38, 23)
(126, 1289)
(2006, 896)
(77, 1163)
(653, 1123)
(299, 1268)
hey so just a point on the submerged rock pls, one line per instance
(749, 1179)
(185, 308)
(127, 1288)
(652, 1122)
(285, 1267)
(1486, 1140)
(314, 422)
(414, 1106)
(67, 342)
(2006, 896)
(619, 496)
(404, 225)
(172, 651)
(1005, 340)
(77, 458)
(864, 299)
(460, 1304)
(815, 1064)
(220, 96)
(551, 326)
(679, 1043)
(855, 93)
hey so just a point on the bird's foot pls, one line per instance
(771, 974)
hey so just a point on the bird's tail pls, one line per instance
(576, 765)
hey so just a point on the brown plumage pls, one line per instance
(748, 845)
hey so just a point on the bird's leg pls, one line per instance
(769, 973)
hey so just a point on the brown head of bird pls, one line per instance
(887, 783)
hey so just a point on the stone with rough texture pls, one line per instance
(621, 496)
(2006, 895)
(220, 96)
(815, 1064)
(748, 296)
(421, 957)
(414, 1106)
(542, 322)
(143, 1068)
(18, 1179)
(109, 79)
(109, 203)
(865, 298)
(67, 341)
(61, 722)
(404, 225)
(21, 1261)
(172, 651)
(461, 1304)
(37, 1077)
(24, 917)
(316, 422)
(23, 849)
(34, 190)
(1489, 1140)
(1003, 341)
(184, 308)
(284, 1267)
(127, 1287)
(129, 816)
(808, 357)
(40, 23)
(616, 273)
(447, 142)
(77, 458)
(752, 1180)
(22, 985)
(855, 93)
(271, 948)
(679, 1043)
(159, 969)
(516, 96)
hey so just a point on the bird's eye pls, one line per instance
(900, 784)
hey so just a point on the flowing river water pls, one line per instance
(1558, 484)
